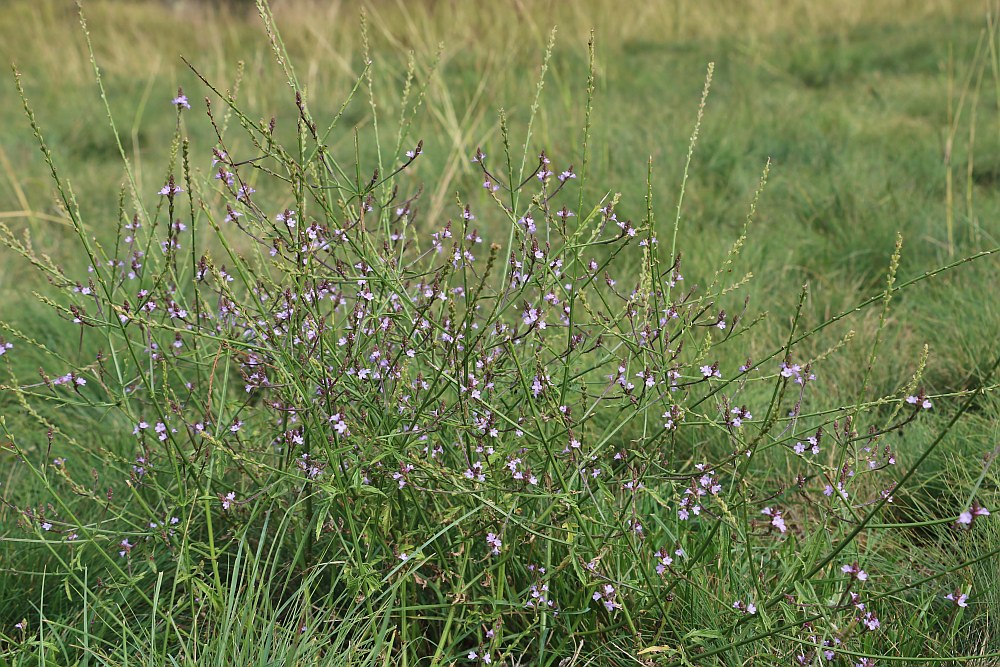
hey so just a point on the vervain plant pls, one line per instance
(335, 431)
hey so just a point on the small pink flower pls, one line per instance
(170, 189)
(967, 517)
(710, 371)
(921, 401)
(777, 520)
(960, 599)
(181, 100)
(855, 571)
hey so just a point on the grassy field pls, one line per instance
(872, 122)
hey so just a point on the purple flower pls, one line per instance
(232, 215)
(968, 516)
(960, 599)
(181, 101)
(711, 371)
(777, 520)
(339, 425)
(788, 370)
(126, 547)
(871, 621)
(664, 560)
(739, 414)
(170, 189)
(607, 595)
(920, 400)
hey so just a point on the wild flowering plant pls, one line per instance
(514, 434)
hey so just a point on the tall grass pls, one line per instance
(297, 403)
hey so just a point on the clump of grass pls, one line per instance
(335, 429)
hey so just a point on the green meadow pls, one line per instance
(825, 177)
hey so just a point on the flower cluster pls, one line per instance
(379, 375)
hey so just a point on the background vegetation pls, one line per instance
(878, 119)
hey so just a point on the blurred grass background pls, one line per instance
(878, 118)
